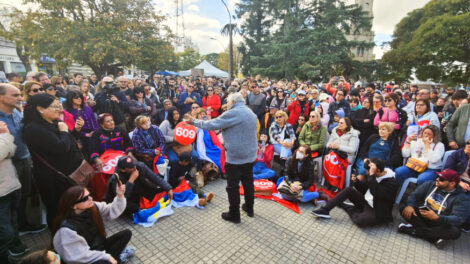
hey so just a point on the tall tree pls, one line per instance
(188, 59)
(308, 39)
(212, 58)
(434, 42)
(102, 34)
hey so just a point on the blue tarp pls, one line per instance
(166, 73)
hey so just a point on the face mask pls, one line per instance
(299, 155)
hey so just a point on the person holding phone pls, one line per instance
(435, 210)
(372, 196)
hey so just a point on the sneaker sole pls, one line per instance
(18, 254)
(321, 215)
(31, 232)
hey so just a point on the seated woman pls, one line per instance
(373, 197)
(300, 175)
(313, 134)
(148, 140)
(344, 138)
(428, 149)
(458, 161)
(384, 146)
(108, 136)
(422, 115)
(168, 126)
(282, 137)
(262, 168)
(76, 106)
(79, 234)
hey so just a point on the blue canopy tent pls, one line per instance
(166, 73)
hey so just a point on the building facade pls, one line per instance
(360, 53)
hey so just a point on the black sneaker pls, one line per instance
(250, 213)
(408, 229)
(17, 250)
(440, 243)
(31, 229)
(322, 212)
(465, 228)
(227, 217)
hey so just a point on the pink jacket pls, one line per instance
(387, 116)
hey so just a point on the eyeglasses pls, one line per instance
(342, 123)
(210, 90)
(441, 179)
(84, 198)
(388, 100)
(138, 92)
(279, 117)
(194, 107)
(312, 116)
(340, 94)
(51, 88)
(35, 90)
(56, 107)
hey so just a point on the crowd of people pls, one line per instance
(50, 126)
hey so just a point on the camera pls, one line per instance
(108, 89)
(367, 165)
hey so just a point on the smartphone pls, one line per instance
(423, 207)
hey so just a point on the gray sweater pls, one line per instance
(238, 125)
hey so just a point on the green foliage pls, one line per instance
(188, 59)
(212, 58)
(308, 41)
(434, 41)
(103, 34)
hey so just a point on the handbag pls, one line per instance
(284, 189)
(81, 176)
(416, 165)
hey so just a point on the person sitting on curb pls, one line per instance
(435, 210)
(180, 171)
(140, 182)
(373, 196)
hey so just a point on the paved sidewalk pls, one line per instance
(275, 235)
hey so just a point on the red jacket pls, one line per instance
(212, 101)
(294, 110)
(267, 155)
(332, 90)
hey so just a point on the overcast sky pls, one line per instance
(203, 20)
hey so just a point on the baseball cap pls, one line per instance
(449, 175)
(301, 92)
(126, 162)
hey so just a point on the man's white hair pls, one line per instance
(235, 97)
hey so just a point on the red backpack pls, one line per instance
(334, 168)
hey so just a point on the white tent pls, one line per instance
(209, 70)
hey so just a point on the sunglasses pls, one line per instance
(388, 100)
(51, 88)
(35, 90)
(279, 117)
(441, 179)
(210, 90)
(138, 92)
(84, 198)
(194, 107)
(312, 116)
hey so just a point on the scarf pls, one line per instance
(340, 132)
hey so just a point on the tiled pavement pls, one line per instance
(275, 235)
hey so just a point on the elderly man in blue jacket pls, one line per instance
(238, 125)
(187, 99)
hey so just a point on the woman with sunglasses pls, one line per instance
(141, 105)
(391, 113)
(211, 102)
(85, 119)
(31, 88)
(344, 138)
(79, 235)
(422, 115)
(279, 101)
(49, 140)
(313, 134)
(282, 137)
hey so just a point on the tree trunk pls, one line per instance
(24, 58)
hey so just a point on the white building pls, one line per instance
(363, 54)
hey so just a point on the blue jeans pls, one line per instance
(402, 173)
(260, 171)
(9, 205)
(283, 152)
(360, 170)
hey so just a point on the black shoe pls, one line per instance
(465, 228)
(227, 217)
(408, 229)
(250, 213)
(322, 212)
(31, 229)
(440, 243)
(17, 250)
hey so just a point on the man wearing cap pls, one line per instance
(435, 210)
(298, 107)
(140, 182)
(239, 126)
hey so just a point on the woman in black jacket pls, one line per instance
(384, 146)
(373, 197)
(50, 141)
(363, 120)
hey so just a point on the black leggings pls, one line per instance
(431, 230)
(115, 244)
(362, 214)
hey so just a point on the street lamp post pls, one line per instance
(222, 45)
(230, 68)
